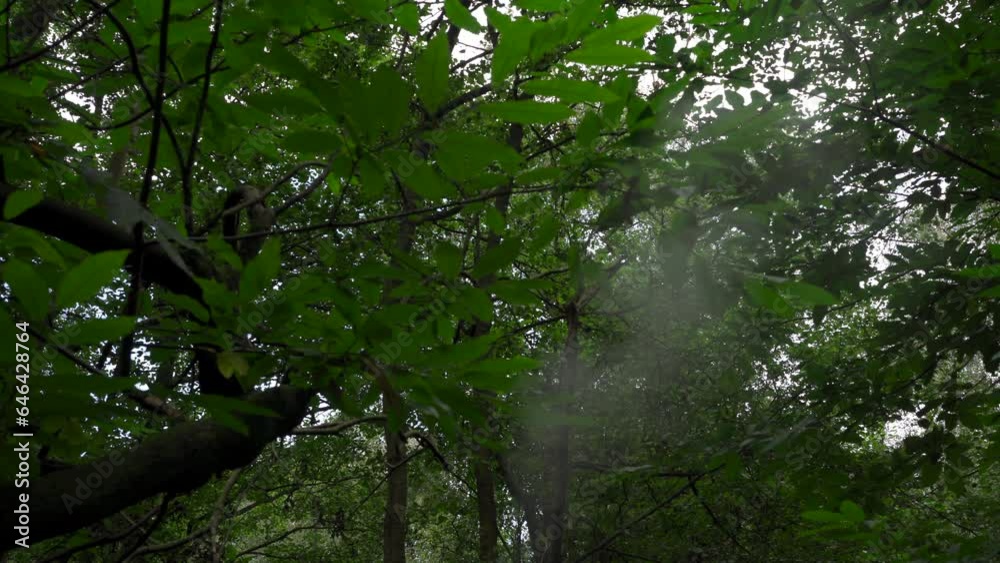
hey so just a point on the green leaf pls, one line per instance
(260, 271)
(333, 182)
(186, 303)
(991, 292)
(991, 271)
(477, 302)
(515, 292)
(448, 258)
(282, 61)
(823, 516)
(609, 55)
(581, 18)
(370, 10)
(540, 5)
(284, 102)
(463, 155)
(497, 258)
(74, 384)
(539, 175)
(311, 141)
(808, 295)
(569, 91)
(98, 331)
(231, 363)
(217, 295)
(408, 17)
(589, 130)
(431, 73)
(528, 111)
(426, 182)
(852, 511)
(20, 201)
(505, 366)
(930, 472)
(28, 288)
(466, 351)
(86, 278)
(372, 177)
(995, 251)
(21, 237)
(495, 221)
(148, 11)
(497, 383)
(625, 29)
(513, 47)
(222, 250)
(547, 37)
(390, 95)
(498, 374)
(460, 15)
(767, 298)
(545, 232)
(13, 86)
(498, 19)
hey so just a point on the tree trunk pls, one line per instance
(526, 500)
(486, 502)
(394, 522)
(554, 519)
(394, 519)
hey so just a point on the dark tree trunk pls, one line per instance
(554, 520)
(394, 522)
(486, 502)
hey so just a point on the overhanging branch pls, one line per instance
(176, 461)
(94, 233)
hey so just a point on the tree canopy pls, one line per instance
(557, 281)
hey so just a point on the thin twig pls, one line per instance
(656, 508)
(383, 218)
(106, 9)
(149, 531)
(64, 555)
(145, 399)
(332, 428)
(154, 141)
(188, 167)
(220, 506)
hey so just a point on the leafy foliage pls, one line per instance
(707, 281)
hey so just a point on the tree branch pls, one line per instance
(176, 461)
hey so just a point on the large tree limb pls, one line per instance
(175, 461)
(94, 233)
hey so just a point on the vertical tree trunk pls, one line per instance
(554, 519)
(518, 544)
(486, 502)
(394, 520)
(526, 500)
(483, 469)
